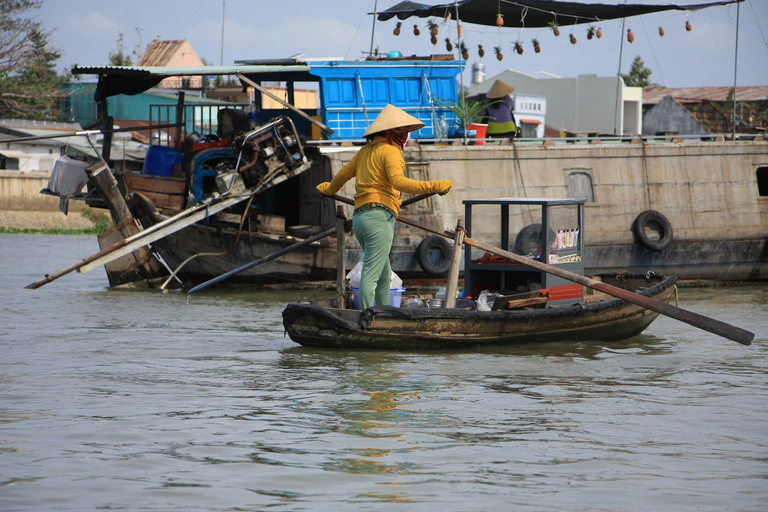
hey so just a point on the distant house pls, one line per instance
(587, 103)
(704, 110)
(173, 53)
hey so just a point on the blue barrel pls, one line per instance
(160, 160)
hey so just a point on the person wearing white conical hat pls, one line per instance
(500, 111)
(379, 181)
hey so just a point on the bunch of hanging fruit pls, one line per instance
(593, 31)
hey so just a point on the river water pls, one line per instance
(142, 400)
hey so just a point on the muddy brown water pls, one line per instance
(140, 400)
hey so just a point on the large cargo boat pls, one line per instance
(696, 208)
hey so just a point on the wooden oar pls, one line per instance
(410, 200)
(276, 254)
(702, 322)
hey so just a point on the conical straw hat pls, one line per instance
(392, 117)
(499, 89)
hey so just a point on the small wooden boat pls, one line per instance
(384, 327)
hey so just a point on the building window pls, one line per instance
(580, 185)
(762, 181)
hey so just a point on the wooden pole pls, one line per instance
(52, 277)
(180, 116)
(453, 273)
(102, 179)
(341, 270)
(702, 322)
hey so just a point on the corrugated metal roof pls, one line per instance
(159, 53)
(164, 71)
(653, 94)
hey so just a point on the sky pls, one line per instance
(86, 31)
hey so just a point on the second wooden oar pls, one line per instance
(276, 254)
(702, 322)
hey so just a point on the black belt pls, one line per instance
(369, 206)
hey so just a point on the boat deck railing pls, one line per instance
(570, 140)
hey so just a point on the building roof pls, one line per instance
(159, 53)
(653, 94)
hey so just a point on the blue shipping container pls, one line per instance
(352, 93)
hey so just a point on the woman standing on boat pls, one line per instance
(379, 181)
(500, 111)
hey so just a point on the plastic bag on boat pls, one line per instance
(357, 270)
(486, 299)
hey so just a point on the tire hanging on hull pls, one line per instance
(434, 255)
(653, 230)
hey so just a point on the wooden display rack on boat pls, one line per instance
(631, 303)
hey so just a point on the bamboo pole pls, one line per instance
(453, 273)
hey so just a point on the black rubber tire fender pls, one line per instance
(529, 238)
(651, 221)
(434, 254)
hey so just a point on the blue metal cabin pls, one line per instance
(352, 93)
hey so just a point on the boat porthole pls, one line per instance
(653, 230)
(434, 255)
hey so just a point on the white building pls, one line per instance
(531, 115)
(585, 104)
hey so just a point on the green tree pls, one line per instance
(29, 85)
(638, 74)
(119, 57)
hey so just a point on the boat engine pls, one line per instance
(268, 151)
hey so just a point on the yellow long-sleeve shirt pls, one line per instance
(378, 167)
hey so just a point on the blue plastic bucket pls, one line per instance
(395, 296)
(160, 160)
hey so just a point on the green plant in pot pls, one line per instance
(466, 111)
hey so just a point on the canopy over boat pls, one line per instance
(533, 13)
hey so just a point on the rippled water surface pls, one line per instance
(140, 400)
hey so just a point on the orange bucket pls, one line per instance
(479, 132)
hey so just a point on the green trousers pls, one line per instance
(375, 230)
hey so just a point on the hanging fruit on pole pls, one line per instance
(536, 45)
(572, 38)
(555, 28)
(464, 50)
(630, 35)
(499, 55)
(480, 51)
(591, 32)
(416, 30)
(397, 28)
(661, 31)
(499, 20)
(599, 32)
(448, 45)
(433, 27)
(688, 26)
(518, 47)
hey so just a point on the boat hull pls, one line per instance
(385, 327)
(313, 262)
